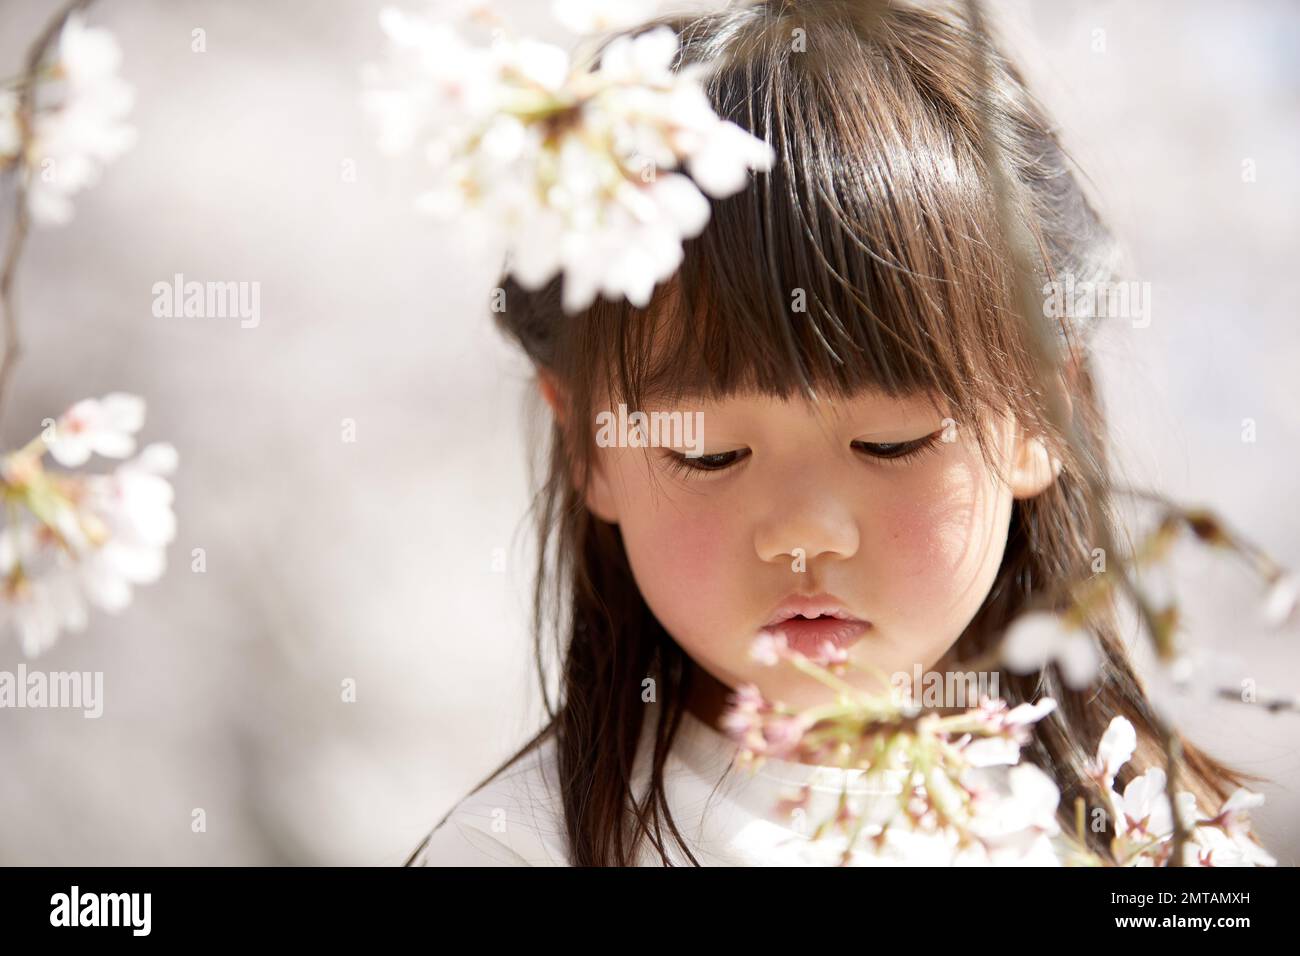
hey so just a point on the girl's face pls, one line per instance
(798, 498)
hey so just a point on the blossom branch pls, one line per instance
(1274, 705)
(26, 85)
(71, 540)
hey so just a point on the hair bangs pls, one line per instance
(868, 259)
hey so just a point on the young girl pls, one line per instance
(876, 447)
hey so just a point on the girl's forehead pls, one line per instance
(869, 401)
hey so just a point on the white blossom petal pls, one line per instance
(1079, 659)
(1281, 601)
(1031, 641)
(1116, 748)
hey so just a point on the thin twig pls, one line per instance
(1274, 706)
(18, 232)
(1252, 553)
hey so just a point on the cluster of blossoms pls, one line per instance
(951, 799)
(1144, 824)
(956, 790)
(572, 170)
(70, 540)
(76, 123)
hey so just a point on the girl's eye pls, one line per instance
(900, 450)
(888, 451)
(718, 461)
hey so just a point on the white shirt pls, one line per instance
(730, 819)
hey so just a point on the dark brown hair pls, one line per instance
(881, 208)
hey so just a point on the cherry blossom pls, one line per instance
(602, 16)
(103, 426)
(1143, 821)
(597, 174)
(1281, 600)
(134, 505)
(37, 609)
(769, 648)
(962, 795)
(86, 130)
(76, 540)
(999, 733)
(1038, 638)
(1115, 749)
(1016, 822)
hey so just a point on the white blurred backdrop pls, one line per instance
(379, 560)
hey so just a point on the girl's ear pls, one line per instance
(1034, 467)
(599, 496)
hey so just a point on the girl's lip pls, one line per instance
(813, 606)
(808, 637)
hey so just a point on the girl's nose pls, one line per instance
(811, 526)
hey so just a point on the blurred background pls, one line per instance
(401, 560)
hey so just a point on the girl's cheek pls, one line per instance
(689, 543)
(941, 538)
(683, 556)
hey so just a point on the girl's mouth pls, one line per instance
(808, 635)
